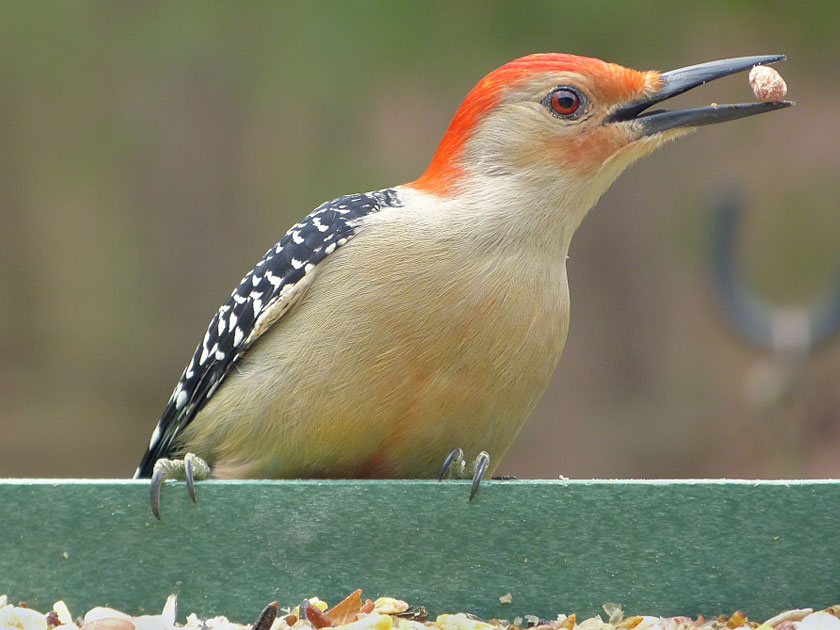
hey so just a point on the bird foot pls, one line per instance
(190, 469)
(454, 467)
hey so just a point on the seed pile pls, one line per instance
(387, 613)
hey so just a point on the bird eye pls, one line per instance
(564, 101)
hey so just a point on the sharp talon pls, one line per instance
(481, 464)
(455, 453)
(188, 476)
(190, 469)
(154, 491)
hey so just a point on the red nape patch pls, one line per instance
(443, 172)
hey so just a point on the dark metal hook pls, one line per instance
(797, 330)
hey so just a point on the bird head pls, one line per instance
(571, 120)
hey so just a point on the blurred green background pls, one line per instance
(150, 152)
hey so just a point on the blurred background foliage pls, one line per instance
(151, 151)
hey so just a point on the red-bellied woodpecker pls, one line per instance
(389, 328)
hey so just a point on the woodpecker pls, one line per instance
(388, 329)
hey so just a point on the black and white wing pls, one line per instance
(261, 298)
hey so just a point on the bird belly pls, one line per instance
(348, 386)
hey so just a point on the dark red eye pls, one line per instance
(564, 101)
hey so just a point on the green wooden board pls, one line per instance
(662, 548)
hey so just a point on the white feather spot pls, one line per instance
(297, 264)
(182, 398)
(222, 325)
(330, 248)
(213, 389)
(220, 356)
(296, 237)
(255, 280)
(275, 281)
(155, 437)
(238, 336)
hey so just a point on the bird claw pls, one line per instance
(455, 466)
(190, 469)
(188, 475)
(456, 456)
(480, 466)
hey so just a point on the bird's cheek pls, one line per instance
(588, 150)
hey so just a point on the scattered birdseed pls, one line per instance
(356, 615)
(767, 84)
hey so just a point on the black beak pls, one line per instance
(678, 81)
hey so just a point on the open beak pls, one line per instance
(678, 81)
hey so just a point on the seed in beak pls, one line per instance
(767, 84)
